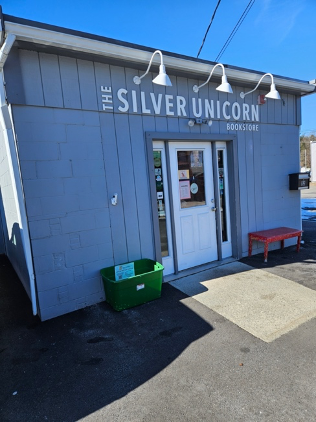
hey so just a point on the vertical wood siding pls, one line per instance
(51, 80)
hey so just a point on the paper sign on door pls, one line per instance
(184, 188)
(183, 174)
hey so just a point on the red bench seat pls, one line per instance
(273, 235)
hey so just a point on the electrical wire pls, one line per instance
(208, 28)
(237, 26)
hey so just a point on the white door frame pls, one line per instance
(167, 261)
(232, 165)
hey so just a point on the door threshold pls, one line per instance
(199, 269)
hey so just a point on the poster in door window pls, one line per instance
(157, 158)
(196, 159)
(184, 188)
(183, 174)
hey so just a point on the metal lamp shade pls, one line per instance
(273, 93)
(225, 86)
(162, 78)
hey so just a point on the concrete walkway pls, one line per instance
(265, 305)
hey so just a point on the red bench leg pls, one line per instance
(298, 243)
(282, 244)
(265, 254)
(249, 246)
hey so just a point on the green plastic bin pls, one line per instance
(133, 291)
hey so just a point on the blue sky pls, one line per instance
(277, 36)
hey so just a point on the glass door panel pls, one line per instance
(222, 193)
(223, 184)
(163, 206)
(159, 177)
(191, 178)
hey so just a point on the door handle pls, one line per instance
(214, 209)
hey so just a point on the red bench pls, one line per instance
(273, 235)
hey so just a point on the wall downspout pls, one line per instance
(7, 125)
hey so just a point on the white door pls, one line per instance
(193, 203)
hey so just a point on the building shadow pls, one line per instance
(11, 242)
(69, 367)
(16, 255)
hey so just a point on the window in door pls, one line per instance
(161, 204)
(191, 178)
(222, 193)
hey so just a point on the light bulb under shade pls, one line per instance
(274, 94)
(162, 78)
(225, 86)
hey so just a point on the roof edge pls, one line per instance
(51, 35)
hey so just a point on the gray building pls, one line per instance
(99, 168)
(313, 161)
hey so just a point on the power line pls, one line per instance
(208, 28)
(237, 26)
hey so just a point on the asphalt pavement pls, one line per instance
(167, 360)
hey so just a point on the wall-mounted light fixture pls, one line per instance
(193, 122)
(114, 199)
(223, 87)
(272, 94)
(161, 79)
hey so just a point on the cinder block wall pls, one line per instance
(62, 165)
